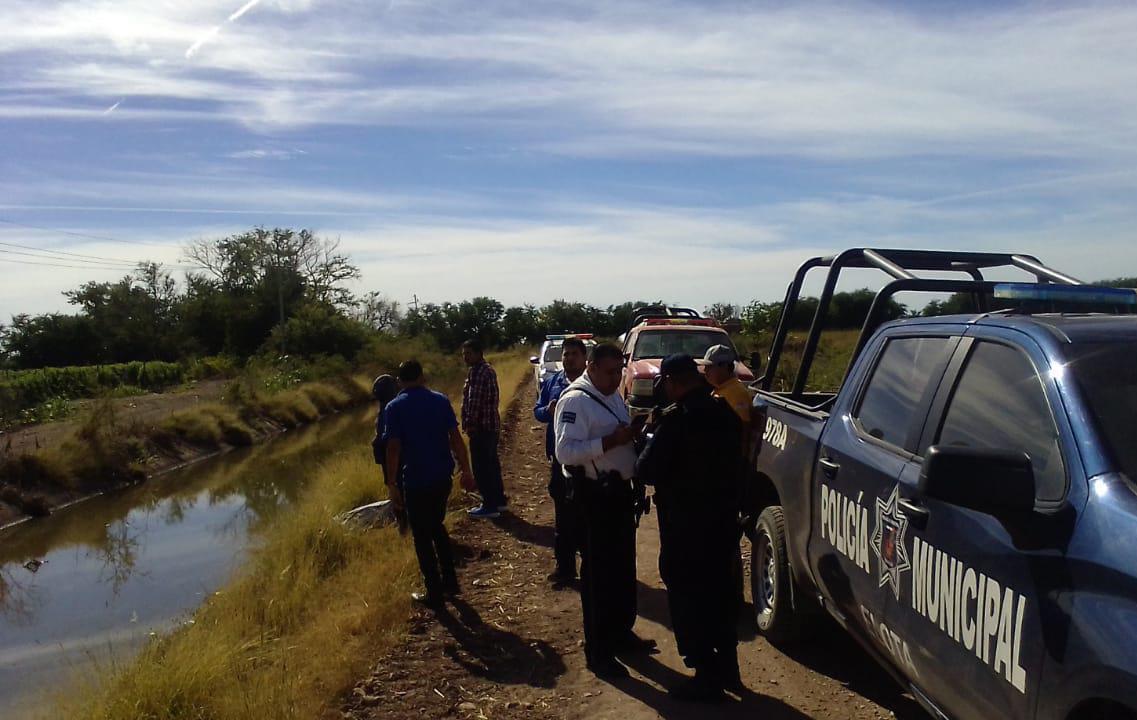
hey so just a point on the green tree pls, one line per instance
(317, 329)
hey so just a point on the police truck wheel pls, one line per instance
(770, 577)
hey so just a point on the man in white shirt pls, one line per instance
(594, 441)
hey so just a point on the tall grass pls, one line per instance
(303, 619)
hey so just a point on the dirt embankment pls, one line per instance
(149, 408)
(119, 442)
(511, 646)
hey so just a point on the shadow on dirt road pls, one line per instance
(825, 649)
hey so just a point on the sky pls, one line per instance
(594, 150)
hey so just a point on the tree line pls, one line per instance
(284, 291)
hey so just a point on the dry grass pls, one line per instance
(286, 638)
(313, 605)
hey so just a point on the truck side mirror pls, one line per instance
(755, 362)
(535, 360)
(990, 481)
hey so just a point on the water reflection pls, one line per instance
(118, 567)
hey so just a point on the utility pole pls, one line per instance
(414, 303)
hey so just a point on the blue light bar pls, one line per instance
(1088, 294)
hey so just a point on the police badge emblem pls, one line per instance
(888, 541)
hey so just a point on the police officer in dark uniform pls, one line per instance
(694, 461)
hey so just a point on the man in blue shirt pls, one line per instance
(566, 538)
(423, 442)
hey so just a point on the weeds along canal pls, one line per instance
(89, 584)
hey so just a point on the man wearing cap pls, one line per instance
(574, 357)
(719, 366)
(594, 441)
(694, 461)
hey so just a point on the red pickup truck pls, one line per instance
(654, 337)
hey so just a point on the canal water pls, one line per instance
(88, 585)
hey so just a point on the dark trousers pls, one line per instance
(607, 570)
(426, 511)
(566, 519)
(696, 561)
(487, 467)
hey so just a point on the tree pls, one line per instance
(319, 329)
(721, 311)
(522, 325)
(136, 317)
(377, 312)
(52, 340)
(255, 281)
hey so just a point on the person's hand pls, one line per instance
(620, 436)
(466, 480)
(552, 406)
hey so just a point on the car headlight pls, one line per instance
(643, 387)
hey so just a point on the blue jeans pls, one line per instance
(487, 467)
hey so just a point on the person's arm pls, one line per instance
(462, 457)
(656, 457)
(493, 399)
(542, 411)
(394, 449)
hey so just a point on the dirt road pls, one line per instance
(511, 647)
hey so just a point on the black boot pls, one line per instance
(702, 688)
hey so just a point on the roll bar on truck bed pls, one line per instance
(900, 266)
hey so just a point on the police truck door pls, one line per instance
(968, 604)
(863, 451)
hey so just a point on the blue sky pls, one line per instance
(591, 150)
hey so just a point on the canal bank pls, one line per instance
(86, 587)
(298, 621)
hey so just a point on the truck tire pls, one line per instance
(770, 578)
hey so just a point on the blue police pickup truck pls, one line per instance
(965, 506)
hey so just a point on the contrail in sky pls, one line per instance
(244, 9)
(202, 40)
(216, 29)
(112, 108)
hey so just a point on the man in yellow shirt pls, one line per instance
(719, 364)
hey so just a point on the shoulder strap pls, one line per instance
(600, 402)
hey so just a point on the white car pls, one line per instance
(549, 359)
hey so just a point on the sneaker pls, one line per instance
(427, 600)
(483, 512)
(452, 589)
(502, 508)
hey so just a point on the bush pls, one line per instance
(317, 330)
(24, 389)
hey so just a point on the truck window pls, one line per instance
(999, 403)
(891, 403)
(661, 343)
(1107, 374)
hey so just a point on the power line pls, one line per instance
(89, 236)
(89, 263)
(63, 255)
(73, 267)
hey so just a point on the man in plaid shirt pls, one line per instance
(482, 424)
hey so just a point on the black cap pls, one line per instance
(678, 364)
(384, 389)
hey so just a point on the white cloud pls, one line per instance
(723, 79)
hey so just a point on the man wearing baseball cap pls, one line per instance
(719, 366)
(695, 463)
